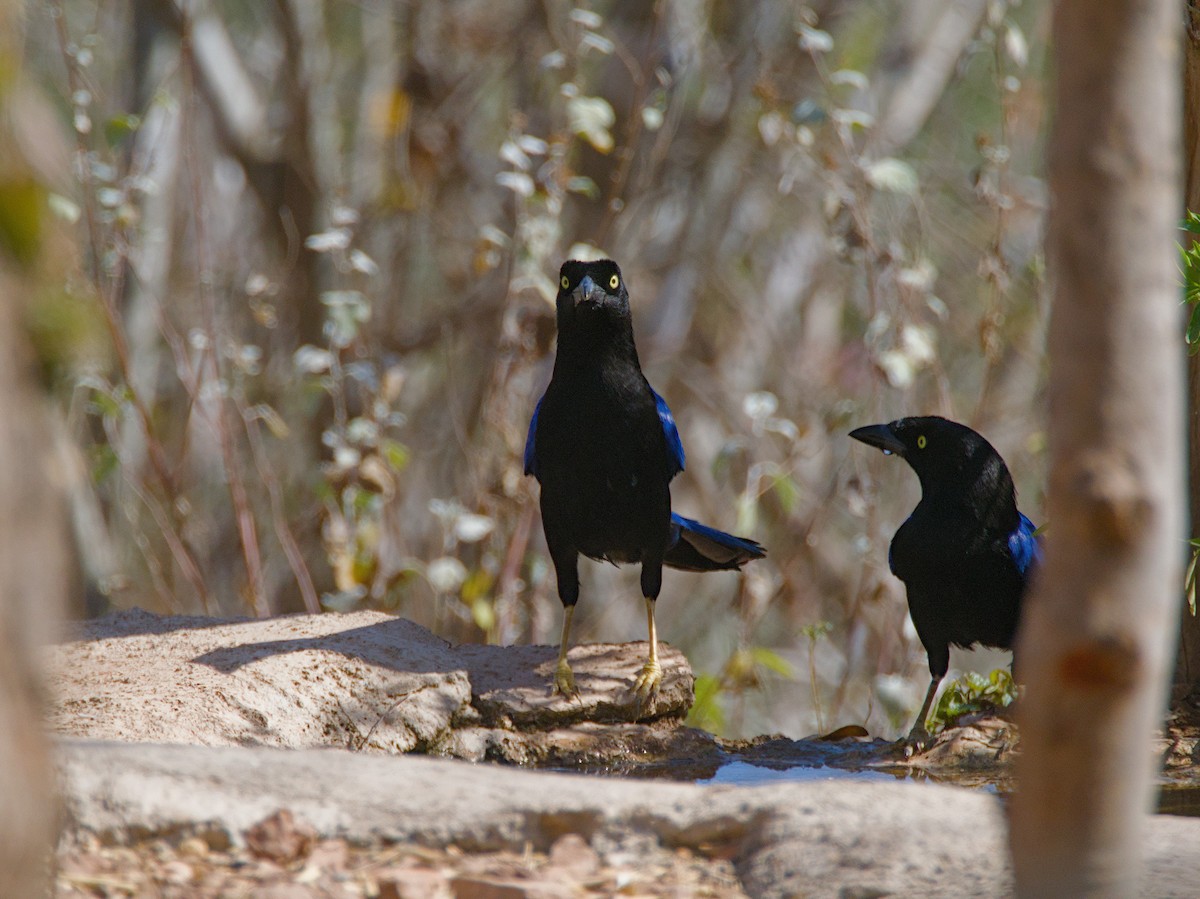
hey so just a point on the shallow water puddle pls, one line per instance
(1173, 799)
(744, 774)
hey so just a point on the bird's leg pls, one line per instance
(650, 679)
(564, 678)
(919, 734)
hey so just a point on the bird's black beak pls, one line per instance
(587, 291)
(880, 437)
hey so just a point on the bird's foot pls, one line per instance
(564, 681)
(918, 740)
(648, 682)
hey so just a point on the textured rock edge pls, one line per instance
(815, 839)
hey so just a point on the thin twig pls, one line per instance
(247, 529)
(399, 699)
(283, 530)
(108, 289)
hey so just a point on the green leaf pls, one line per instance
(1193, 328)
(477, 586)
(706, 712)
(120, 127)
(786, 491)
(395, 453)
(484, 614)
(817, 630)
(107, 404)
(973, 692)
(22, 200)
(104, 463)
(747, 513)
(772, 661)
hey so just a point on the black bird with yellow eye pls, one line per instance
(604, 447)
(965, 554)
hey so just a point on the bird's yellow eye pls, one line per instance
(564, 282)
(921, 441)
(614, 282)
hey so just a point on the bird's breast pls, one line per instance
(602, 461)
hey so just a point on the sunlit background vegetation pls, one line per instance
(295, 262)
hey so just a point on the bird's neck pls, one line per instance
(988, 498)
(604, 342)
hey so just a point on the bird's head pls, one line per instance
(940, 451)
(587, 289)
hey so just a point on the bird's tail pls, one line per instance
(697, 547)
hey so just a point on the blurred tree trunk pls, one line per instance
(33, 555)
(32, 584)
(1187, 670)
(1097, 636)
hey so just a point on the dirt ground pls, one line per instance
(283, 860)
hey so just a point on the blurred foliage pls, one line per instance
(1190, 266)
(1190, 270)
(301, 301)
(1189, 580)
(742, 672)
(972, 693)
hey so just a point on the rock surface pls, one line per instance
(363, 680)
(335, 805)
(816, 839)
(373, 682)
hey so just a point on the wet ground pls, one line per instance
(977, 753)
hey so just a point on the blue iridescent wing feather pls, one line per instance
(715, 545)
(674, 443)
(1025, 548)
(531, 466)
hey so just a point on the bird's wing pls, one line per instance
(1025, 548)
(531, 464)
(697, 547)
(674, 444)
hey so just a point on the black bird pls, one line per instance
(965, 553)
(604, 447)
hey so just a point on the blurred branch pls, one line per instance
(283, 531)
(109, 286)
(279, 168)
(247, 529)
(924, 62)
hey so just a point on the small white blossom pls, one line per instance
(761, 405)
(312, 360)
(586, 18)
(446, 574)
(590, 118)
(515, 156)
(850, 78)
(892, 175)
(335, 239)
(471, 528)
(518, 182)
(815, 40)
(361, 262)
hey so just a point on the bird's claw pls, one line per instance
(917, 741)
(648, 681)
(564, 681)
